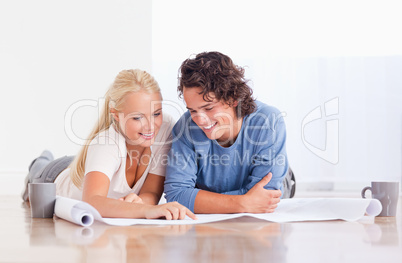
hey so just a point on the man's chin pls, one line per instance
(212, 136)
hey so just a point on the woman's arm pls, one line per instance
(95, 190)
(96, 186)
(152, 189)
(150, 192)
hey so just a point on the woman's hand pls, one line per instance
(171, 211)
(132, 198)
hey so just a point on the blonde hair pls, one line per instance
(127, 81)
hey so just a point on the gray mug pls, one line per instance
(42, 198)
(387, 193)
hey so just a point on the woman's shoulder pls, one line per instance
(107, 151)
(109, 136)
(167, 124)
(168, 120)
(108, 141)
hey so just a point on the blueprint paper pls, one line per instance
(288, 210)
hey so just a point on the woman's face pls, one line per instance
(141, 118)
(216, 118)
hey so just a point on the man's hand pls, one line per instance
(260, 200)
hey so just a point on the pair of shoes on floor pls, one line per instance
(34, 168)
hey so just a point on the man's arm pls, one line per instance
(256, 200)
(181, 170)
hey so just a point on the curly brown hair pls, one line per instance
(215, 72)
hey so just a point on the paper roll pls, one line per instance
(75, 211)
(81, 217)
(288, 210)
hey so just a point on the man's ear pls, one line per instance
(235, 103)
(115, 114)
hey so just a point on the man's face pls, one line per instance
(215, 118)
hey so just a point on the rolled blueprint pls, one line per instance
(288, 210)
(75, 211)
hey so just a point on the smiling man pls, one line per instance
(228, 153)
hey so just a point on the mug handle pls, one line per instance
(364, 191)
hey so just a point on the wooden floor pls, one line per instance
(25, 239)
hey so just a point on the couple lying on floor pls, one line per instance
(226, 154)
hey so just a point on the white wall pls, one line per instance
(299, 55)
(343, 55)
(52, 55)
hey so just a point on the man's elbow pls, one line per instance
(171, 193)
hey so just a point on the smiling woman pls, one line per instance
(118, 171)
(139, 120)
